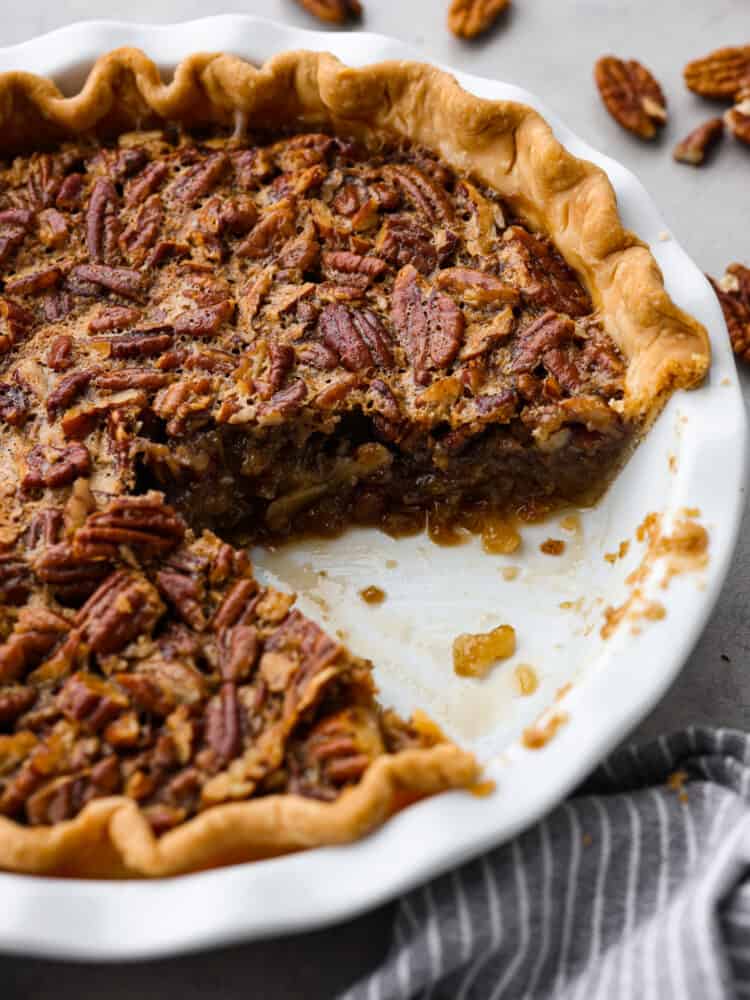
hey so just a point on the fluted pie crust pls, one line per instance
(507, 147)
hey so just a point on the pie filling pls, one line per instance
(253, 337)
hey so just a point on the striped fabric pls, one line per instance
(636, 887)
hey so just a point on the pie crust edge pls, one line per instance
(507, 146)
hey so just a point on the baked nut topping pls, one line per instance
(738, 118)
(469, 18)
(333, 11)
(733, 291)
(631, 94)
(239, 328)
(719, 74)
(695, 147)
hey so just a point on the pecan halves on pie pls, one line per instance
(121, 280)
(122, 608)
(356, 336)
(469, 18)
(35, 634)
(49, 466)
(145, 524)
(631, 94)
(14, 406)
(333, 11)
(695, 147)
(102, 222)
(430, 327)
(733, 292)
(719, 74)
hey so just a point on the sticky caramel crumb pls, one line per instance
(390, 564)
(500, 536)
(426, 727)
(483, 788)
(372, 595)
(510, 572)
(676, 782)
(672, 463)
(543, 730)
(526, 678)
(553, 547)
(587, 840)
(474, 654)
(622, 551)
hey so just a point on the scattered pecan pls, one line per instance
(738, 118)
(122, 608)
(719, 74)
(237, 605)
(102, 222)
(469, 18)
(90, 701)
(14, 701)
(318, 356)
(53, 228)
(70, 193)
(338, 264)
(185, 593)
(401, 241)
(275, 225)
(695, 146)
(204, 322)
(53, 467)
(56, 305)
(223, 725)
(33, 283)
(15, 324)
(281, 358)
(357, 337)
(66, 573)
(60, 354)
(138, 237)
(333, 11)
(121, 280)
(195, 182)
(14, 224)
(543, 276)
(14, 406)
(45, 527)
(284, 402)
(14, 578)
(425, 194)
(430, 329)
(733, 292)
(132, 378)
(476, 287)
(141, 343)
(36, 632)
(302, 251)
(550, 331)
(114, 318)
(67, 390)
(239, 650)
(631, 95)
(44, 180)
(146, 183)
(144, 523)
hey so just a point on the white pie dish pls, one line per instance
(433, 594)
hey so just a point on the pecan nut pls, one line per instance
(122, 608)
(60, 354)
(356, 336)
(733, 292)
(469, 18)
(430, 328)
(719, 74)
(333, 11)
(631, 95)
(120, 280)
(54, 467)
(145, 524)
(199, 179)
(67, 390)
(738, 118)
(102, 221)
(697, 144)
(14, 406)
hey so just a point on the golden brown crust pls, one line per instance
(506, 145)
(112, 838)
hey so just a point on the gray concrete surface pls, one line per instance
(547, 46)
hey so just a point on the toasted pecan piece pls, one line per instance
(631, 94)
(697, 144)
(333, 11)
(469, 18)
(733, 292)
(720, 73)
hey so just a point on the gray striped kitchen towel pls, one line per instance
(636, 887)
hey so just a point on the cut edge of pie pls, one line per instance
(508, 147)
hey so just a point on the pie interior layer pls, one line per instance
(213, 334)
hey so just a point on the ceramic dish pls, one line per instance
(556, 606)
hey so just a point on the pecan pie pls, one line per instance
(245, 305)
